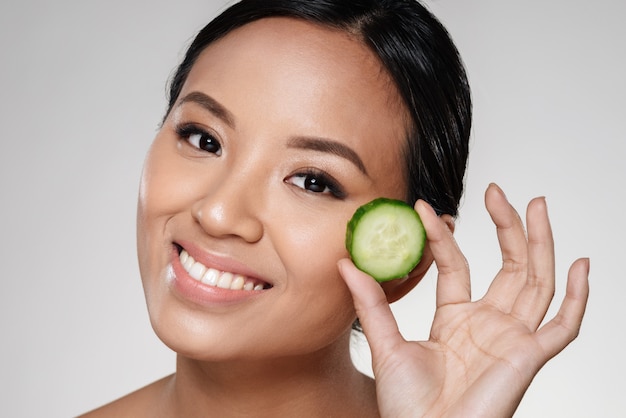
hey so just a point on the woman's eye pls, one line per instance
(199, 139)
(205, 142)
(316, 183)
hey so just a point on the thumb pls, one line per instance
(372, 309)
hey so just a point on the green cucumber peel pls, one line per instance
(385, 239)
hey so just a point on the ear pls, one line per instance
(396, 289)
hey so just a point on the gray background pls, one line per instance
(82, 87)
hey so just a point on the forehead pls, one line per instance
(308, 78)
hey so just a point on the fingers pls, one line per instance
(372, 309)
(555, 335)
(512, 239)
(534, 299)
(524, 286)
(453, 282)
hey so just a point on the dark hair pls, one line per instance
(420, 57)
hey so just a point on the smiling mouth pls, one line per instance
(218, 278)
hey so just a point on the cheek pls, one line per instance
(312, 241)
(152, 201)
(160, 189)
(169, 185)
(310, 251)
(166, 189)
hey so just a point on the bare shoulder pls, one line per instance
(144, 402)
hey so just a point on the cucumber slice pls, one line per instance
(385, 239)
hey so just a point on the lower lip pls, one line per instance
(192, 290)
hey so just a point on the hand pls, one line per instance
(481, 356)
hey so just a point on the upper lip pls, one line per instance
(219, 262)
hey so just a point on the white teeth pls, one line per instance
(213, 277)
(188, 264)
(197, 271)
(238, 282)
(226, 279)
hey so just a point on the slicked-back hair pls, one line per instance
(421, 59)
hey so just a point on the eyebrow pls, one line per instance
(302, 142)
(210, 104)
(329, 146)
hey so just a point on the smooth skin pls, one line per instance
(287, 101)
(248, 205)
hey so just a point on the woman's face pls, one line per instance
(281, 131)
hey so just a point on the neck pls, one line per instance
(321, 383)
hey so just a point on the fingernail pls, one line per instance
(545, 202)
(499, 190)
(429, 207)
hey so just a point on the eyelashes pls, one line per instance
(316, 181)
(310, 180)
(199, 138)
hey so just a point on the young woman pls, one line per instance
(284, 117)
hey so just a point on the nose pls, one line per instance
(230, 209)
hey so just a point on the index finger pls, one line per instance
(453, 282)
